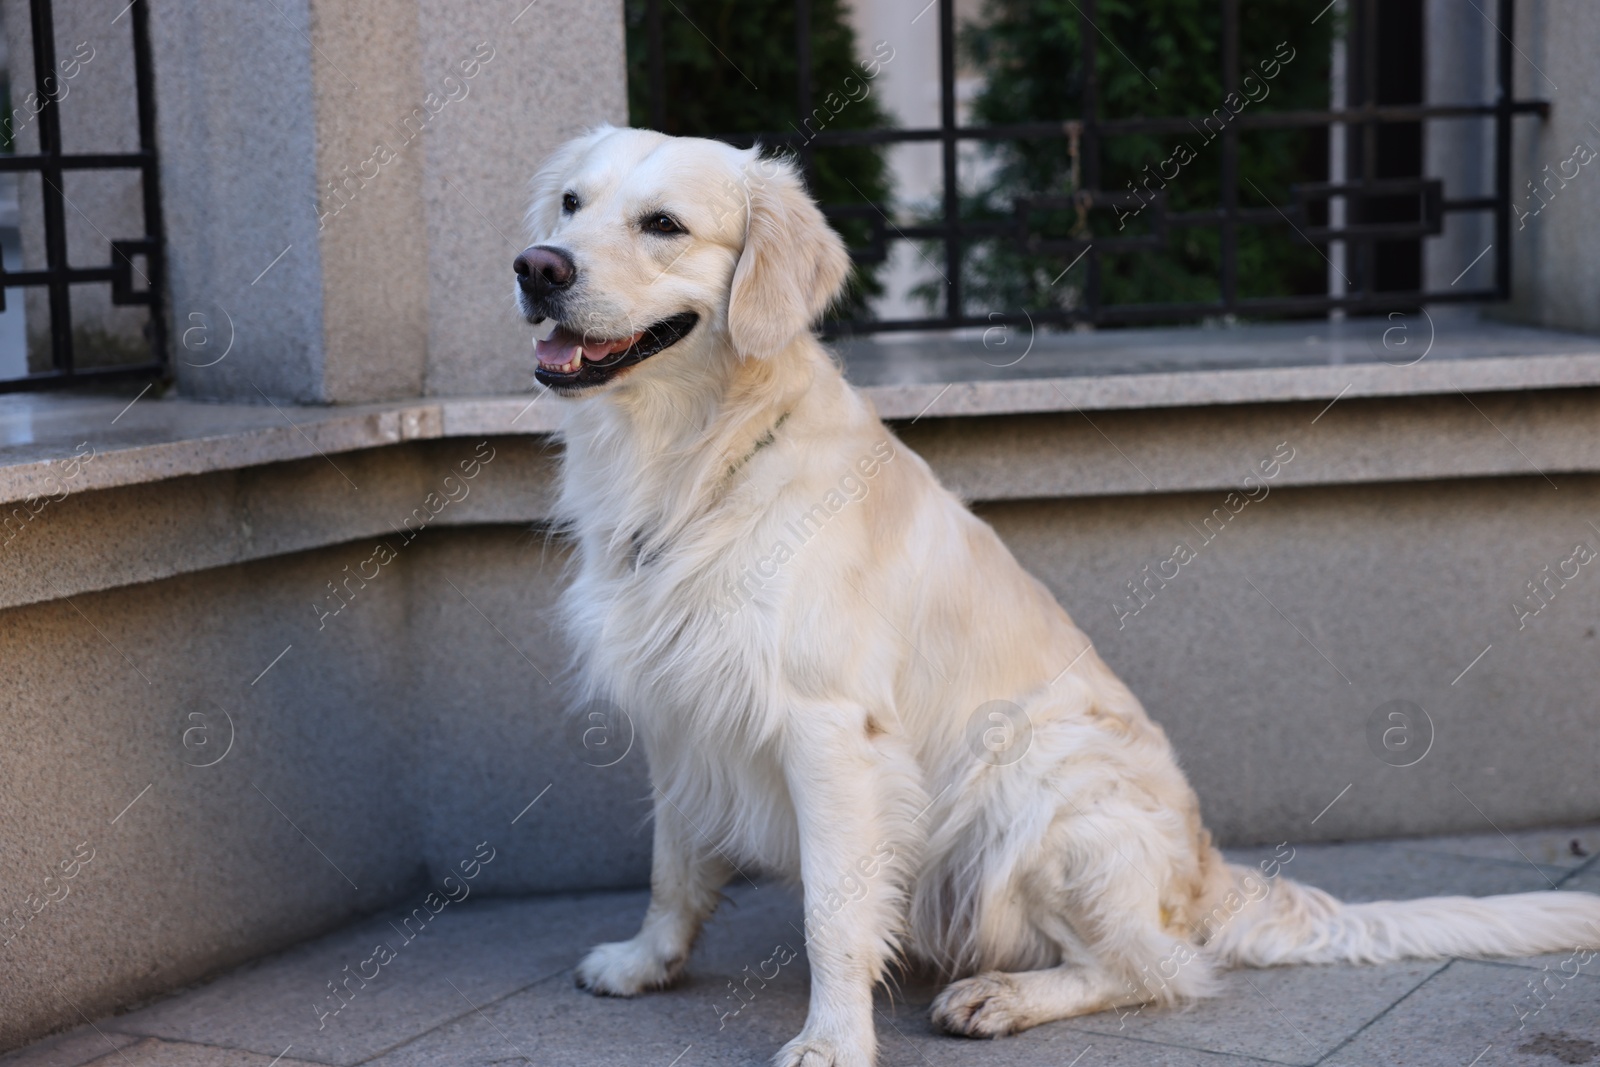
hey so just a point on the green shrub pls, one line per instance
(1155, 57)
(731, 67)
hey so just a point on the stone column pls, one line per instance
(1460, 61)
(345, 181)
(1555, 268)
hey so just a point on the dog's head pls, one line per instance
(642, 242)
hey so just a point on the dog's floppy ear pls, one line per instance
(544, 209)
(792, 266)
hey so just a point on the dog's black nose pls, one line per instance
(542, 269)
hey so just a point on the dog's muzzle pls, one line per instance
(543, 274)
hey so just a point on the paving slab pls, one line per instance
(72, 1049)
(1283, 1014)
(745, 994)
(1483, 1014)
(1401, 870)
(755, 939)
(554, 1024)
(908, 1039)
(725, 1012)
(489, 982)
(477, 950)
(1586, 880)
(153, 1052)
(1569, 847)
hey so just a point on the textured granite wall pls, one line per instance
(1459, 68)
(235, 802)
(1269, 655)
(1556, 219)
(344, 185)
(112, 703)
(235, 106)
(558, 68)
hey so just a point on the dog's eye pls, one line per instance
(569, 203)
(662, 223)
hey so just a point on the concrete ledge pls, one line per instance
(1222, 387)
(1399, 439)
(158, 519)
(153, 439)
(1009, 370)
(139, 533)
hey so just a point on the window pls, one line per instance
(80, 210)
(1117, 163)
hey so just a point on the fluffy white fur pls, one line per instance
(817, 724)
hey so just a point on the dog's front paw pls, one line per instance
(625, 969)
(986, 1005)
(813, 1051)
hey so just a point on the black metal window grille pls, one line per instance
(132, 282)
(1368, 196)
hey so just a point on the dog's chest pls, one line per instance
(661, 617)
(707, 702)
(698, 671)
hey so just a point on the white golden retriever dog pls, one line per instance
(818, 642)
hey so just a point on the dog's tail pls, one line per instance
(1294, 923)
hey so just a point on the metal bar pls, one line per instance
(1230, 158)
(1471, 203)
(658, 68)
(67, 274)
(1111, 127)
(51, 194)
(1265, 216)
(55, 379)
(802, 47)
(947, 130)
(155, 258)
(1366, 252)
(1136, 314)
(1089, 142)
(106, 161)
(1338, 146)
(1502, 154)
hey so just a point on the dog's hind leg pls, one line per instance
(996, 1003)
(1104, 896)
(1133, 966)
(685, 877)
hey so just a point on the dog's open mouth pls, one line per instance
(569, 360)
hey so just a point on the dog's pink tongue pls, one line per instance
(558, 349)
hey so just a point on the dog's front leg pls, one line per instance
(853, 893)
(685, 875)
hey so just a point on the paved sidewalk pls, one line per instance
(489, 982)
